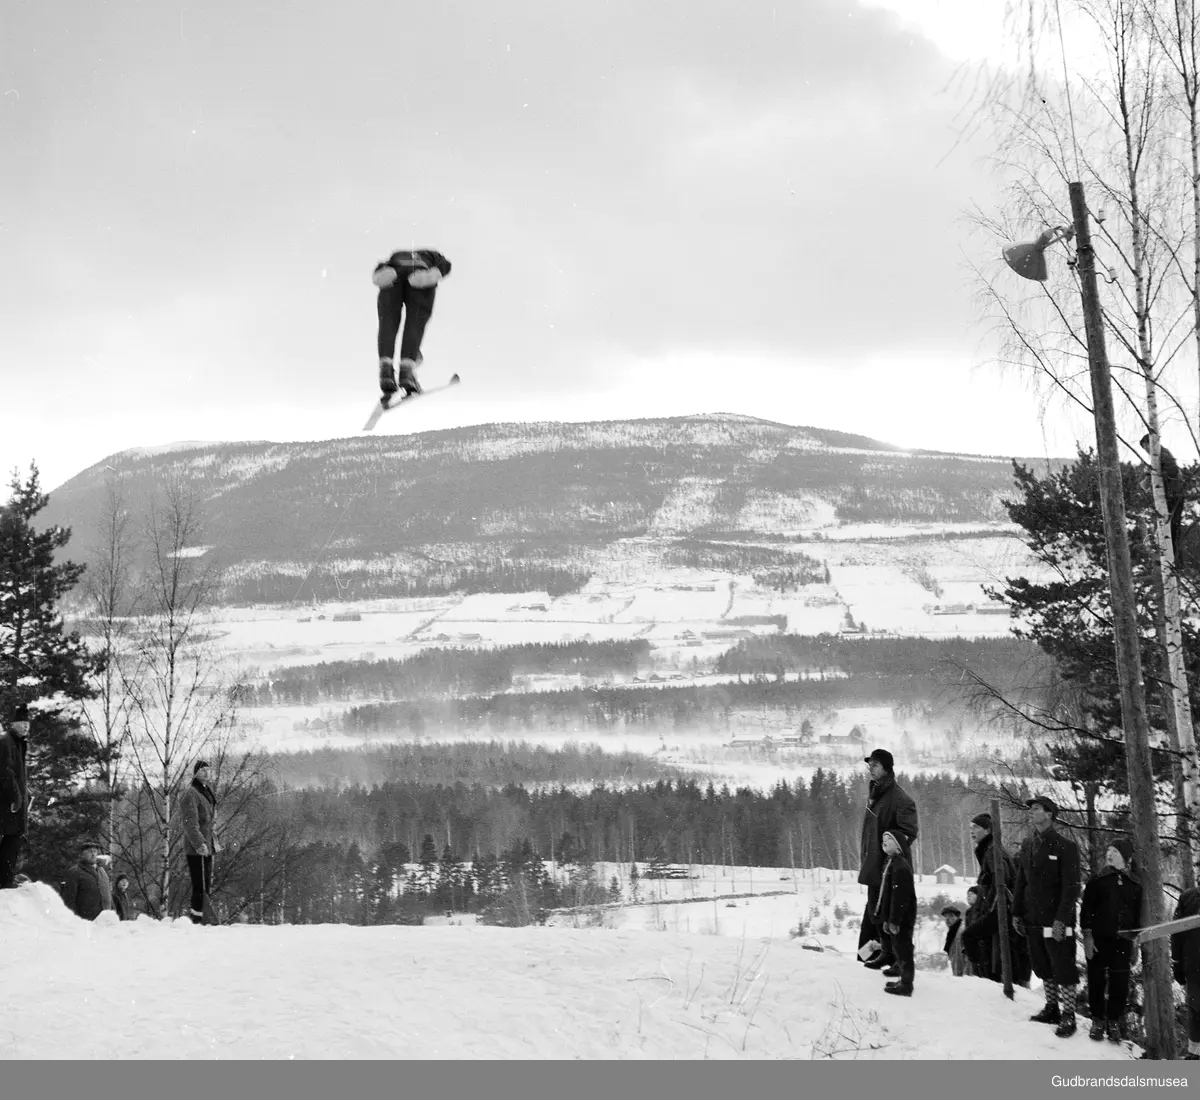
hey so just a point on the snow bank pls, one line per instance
(147, 989)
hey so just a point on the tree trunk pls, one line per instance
(1159, 1011)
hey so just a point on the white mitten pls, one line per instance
(425, 277)
(384, 276)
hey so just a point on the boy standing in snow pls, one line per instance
(1185, 965)
(407, 284)
(1112, 903)
(959, 966)
(1044, 912)
(896, 913)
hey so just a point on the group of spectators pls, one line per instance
(1047, 919)
(87, 890)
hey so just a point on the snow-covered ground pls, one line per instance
(170, 990)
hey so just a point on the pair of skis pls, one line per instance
(394, 401)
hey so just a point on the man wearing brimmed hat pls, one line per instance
(87, 891)
(889, 809)
(14, 794)
(1044, 902)
(197, 810)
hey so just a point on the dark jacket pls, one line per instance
(405, 262)
(197, 805)
(123, 905)
(1185, 946)
(982, 936)
(955, 948)
(87, 892)
(1112, 903)
(14, 785)
(1047, 886)
(897, 893)
(889, 810)
(986, 882)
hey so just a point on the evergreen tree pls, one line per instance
(46, 670)
(427, 877)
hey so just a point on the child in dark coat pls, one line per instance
(1112, 903)
(896, 912)
(1185, 964)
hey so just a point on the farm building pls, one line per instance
(944, 875)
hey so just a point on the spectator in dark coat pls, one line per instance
(1112, 903)
(1185, 965)
(197, 809)
(896, 912)
(122, 902)
(971, 917)
(14, 796)
(953, 947)
(889, 809)
(983, 937)
(87, 892)
(1044, 901)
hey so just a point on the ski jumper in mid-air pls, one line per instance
(407, 283)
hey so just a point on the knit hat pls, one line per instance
(1125, 846)
(900, 839)
(1047, 804)
(951, 909)
(198, 765)
(984, 821)
(883, 756)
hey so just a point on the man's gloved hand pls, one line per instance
(1059, 931)
(384, 276)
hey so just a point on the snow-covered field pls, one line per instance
(149, 990)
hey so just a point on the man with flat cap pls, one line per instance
(1044, 901)
(890, 809)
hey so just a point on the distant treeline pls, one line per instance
(491, 763)
(445, 671)
(599, 710)
(781, 570)
(814, 824)
(1001, 661)
(339, 581)
(918, 664)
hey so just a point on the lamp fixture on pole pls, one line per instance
(1029, 259)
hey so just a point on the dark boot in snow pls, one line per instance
(387, 378)
(406, 379)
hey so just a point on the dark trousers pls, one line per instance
(899, 946)
(416, 305)
(1192, 988)
(1108, 977)
(10, 850)
(870, 929)
(200, 868)
(1053, 960)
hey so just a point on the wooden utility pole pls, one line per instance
(1156, 963)
(1001, 900)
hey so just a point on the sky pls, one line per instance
(692, 206)
(692, 981)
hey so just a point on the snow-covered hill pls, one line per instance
(113, 991)
(483, 507)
